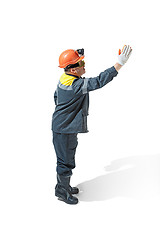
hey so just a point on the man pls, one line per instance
(70, 116)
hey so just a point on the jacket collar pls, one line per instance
(71, 75)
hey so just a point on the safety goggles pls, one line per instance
(78, 64)
(81, 63)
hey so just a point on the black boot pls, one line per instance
(73, 190)
(62, 190)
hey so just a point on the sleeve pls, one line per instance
(85, 85)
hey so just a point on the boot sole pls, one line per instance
(64, 200)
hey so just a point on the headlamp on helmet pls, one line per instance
(80, 51)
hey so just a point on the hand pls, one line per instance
(124, 54)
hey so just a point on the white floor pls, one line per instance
(118, 199)
(121, 203)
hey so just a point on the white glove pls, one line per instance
(124, 54)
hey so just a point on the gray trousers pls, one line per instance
(65, 147)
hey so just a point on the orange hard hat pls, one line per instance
(68, 57)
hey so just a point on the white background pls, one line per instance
(118, 161)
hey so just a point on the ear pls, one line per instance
(73, 70)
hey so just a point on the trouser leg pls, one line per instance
(65, 147)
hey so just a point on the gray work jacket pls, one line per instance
(72, 101)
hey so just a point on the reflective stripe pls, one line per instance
(57, 95)
(84, 88)
(64, 87)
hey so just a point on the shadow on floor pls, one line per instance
(136, 177)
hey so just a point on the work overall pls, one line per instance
(70, 115)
